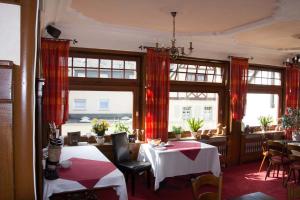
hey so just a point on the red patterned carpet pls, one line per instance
(237, 181)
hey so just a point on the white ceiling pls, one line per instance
(266, 30)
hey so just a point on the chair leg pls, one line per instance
(278, 167)
(283, 174)
(289, 175)
(262, 163)
(268, 170)
(294, 175)
(148, 178)
(132, 184)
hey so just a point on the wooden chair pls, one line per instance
(201, 182)
(294, 157)
(265, 154)
(293, 191)
(277, 158)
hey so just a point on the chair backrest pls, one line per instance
(293, 191)
(207, 180)
(293, 152)
(120, 147)
(275, 148)
(73, 138)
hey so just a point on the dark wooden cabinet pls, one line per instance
(6, 132)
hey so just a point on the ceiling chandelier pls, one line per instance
(174, 51)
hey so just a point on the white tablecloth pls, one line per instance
(169, 163)
(115, 178)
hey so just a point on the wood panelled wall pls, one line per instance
(6, 129)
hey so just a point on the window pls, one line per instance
(196, 73)
(111, 109)
(261, 105)
(193, 104)
(102, 68)
(79, 104)
(264, 77)
(104, 104)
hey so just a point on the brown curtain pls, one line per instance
(157, 94)
(292, 91)
(238, 87)
(56, 89)
(292, 86)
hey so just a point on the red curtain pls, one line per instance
(56, 89)
(292, 86)
(292, 91)
(238, 87)
(157, 94)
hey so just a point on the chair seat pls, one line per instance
(295, 165)
(135, 166)
(279, 159)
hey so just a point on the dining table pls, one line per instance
(178, 158)
(89, 170)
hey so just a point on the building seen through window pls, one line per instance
(185, 105)
(112, 106)
(79, 104)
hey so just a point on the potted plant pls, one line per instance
(265, 121)
(99, 127)
(291, 122)
(195, 125)
(177, 130)
(122, 127)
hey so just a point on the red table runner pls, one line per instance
(189, 149)
(86, 172)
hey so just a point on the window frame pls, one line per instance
(206, 87)
(82, 53)
(111, 84)
(269, 89)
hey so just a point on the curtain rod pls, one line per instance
(74, 41)
(249, 58)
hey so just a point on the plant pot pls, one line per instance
(178, 136)
(296, 136)
(263, 129)
(100, 140)
(194, 134)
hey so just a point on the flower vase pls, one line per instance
(178, 136)
(100, 140)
